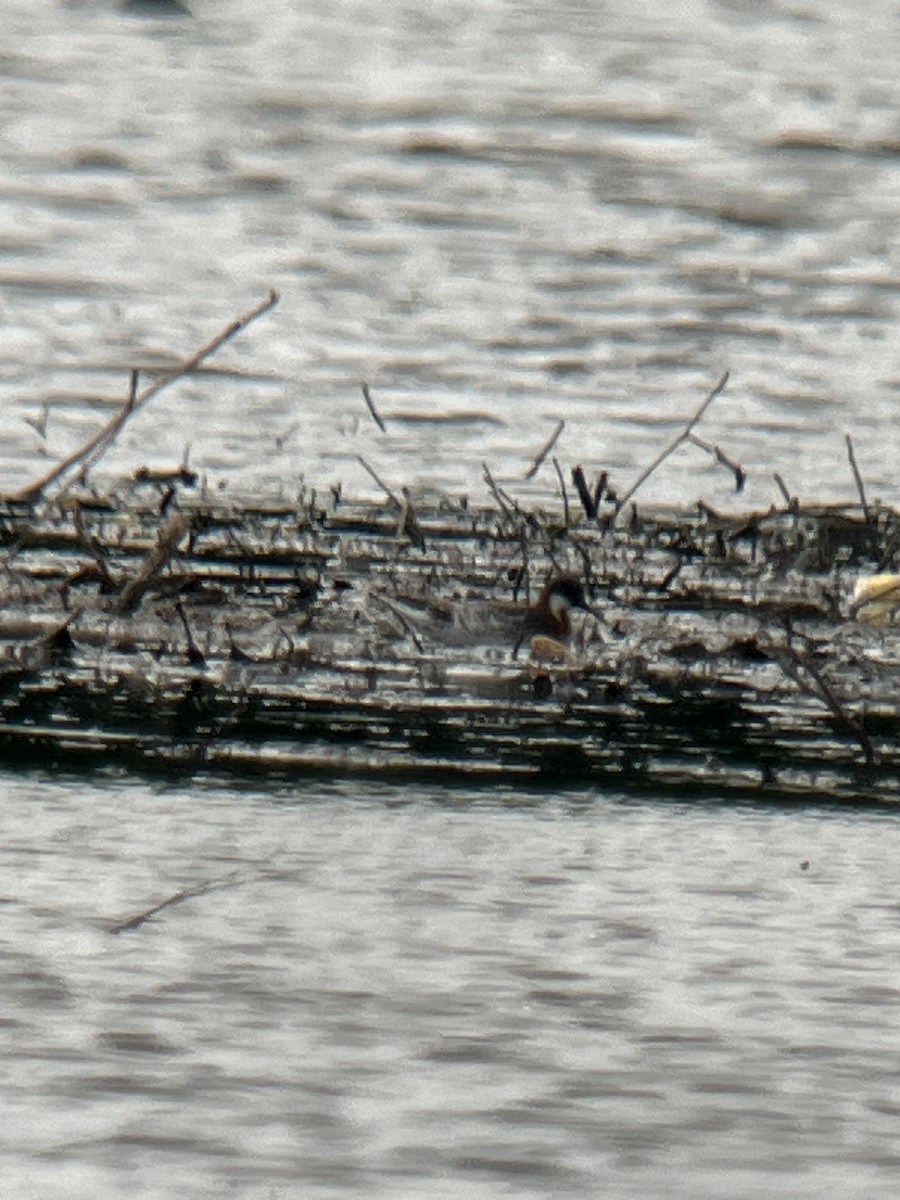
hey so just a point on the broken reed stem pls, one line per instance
(790, 501)
(370, 404)
(860, 486)
(545, 450)
(588, 502)
(495, 491)
(672, 446)
(408, 523)
(97, 445)
(194, 654)
(740, 475)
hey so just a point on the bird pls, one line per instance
(546, 625)
(876, 599)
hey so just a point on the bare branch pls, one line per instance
(673, 445)
(97, 445)
(545, 450)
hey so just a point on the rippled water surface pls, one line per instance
(499, 213)
(443, 993)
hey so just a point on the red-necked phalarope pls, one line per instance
(547, 625)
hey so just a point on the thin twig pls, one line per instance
(194, 654)
(790, 501)
(97, 445)
(170, 536)
(409, 523)
(793, 664)
(93, 548)
(370, 404)
(562, 488)
(404, 622)
(740, 475)
(860, 486)
(392, 496)
(545, 450)
(496, 492)
(673, 445)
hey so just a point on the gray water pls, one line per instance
(444, 994)
(499, 214)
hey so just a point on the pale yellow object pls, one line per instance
(876, 599)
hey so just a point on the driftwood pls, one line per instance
(285, 637)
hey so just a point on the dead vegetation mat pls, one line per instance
(159, 628)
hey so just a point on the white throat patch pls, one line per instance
(558, 604)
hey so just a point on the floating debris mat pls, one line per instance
(159, 628)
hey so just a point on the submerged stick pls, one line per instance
(188, 893)
(98, 444)
(673, 445)
(545, 450)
